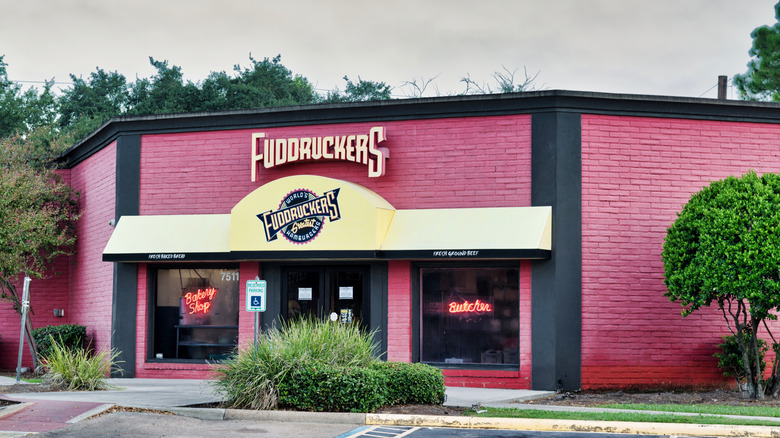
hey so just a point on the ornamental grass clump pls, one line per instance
(77, 369)
(252, 378)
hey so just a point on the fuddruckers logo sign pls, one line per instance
(357, 148)
(301, 215)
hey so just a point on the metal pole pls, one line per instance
(257, 324)
(25, 306)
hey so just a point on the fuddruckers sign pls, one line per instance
(357, 148)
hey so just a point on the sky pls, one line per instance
(659, 47)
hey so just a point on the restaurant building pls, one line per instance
(512, 240)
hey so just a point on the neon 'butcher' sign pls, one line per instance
(477, 307)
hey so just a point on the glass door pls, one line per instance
(336, 292)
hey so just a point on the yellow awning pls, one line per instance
(510, 232)
(348, 222)
(170, 238)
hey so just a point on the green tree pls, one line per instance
(762, 79)
(11, 112)
(360, 91)
(37, 213)
(23, 110)
(88, 104)
(165, 93)
(724, 249)
(268, 83)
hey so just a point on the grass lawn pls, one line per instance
(752, 411)
(26, 379)
(619, 416)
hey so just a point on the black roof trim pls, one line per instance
(429, 108)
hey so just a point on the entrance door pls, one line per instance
(327, 292)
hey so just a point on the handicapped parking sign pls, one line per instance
(255, 296)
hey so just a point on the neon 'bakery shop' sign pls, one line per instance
(356, 148)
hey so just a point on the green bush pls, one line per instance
(77, 369)
(251, 378)
(730, 358)
(313, 387)
(72, 336)
(411, 383)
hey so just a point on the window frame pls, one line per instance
(416, 277)
(151, 304)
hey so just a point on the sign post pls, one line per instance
(25, 306)
(255, 300)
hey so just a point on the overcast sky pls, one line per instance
(664, 47)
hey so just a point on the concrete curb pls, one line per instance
(12, 409)
(91, 413)
(297, 416)
(465, 422)
(572, 425)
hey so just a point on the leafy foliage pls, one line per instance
(37, 214)
(318, 365)
(251, 378)
(320, 387)
(23, 110)
(724, 248)
(77, 369)
(762, 80)
(730, 359)
(411, 383)
(360, 91)
(70, 336)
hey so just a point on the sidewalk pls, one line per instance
(44, 411)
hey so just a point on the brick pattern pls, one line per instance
(91, 279)
(487, 379)
(525, 327)
(45, 296)
(399, 312)
(637, 173)
(443, 163)
(246, 320)
(141, 325)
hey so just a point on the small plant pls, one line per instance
(77, 369)
(730, 358)
(71, 336)
(251, 378)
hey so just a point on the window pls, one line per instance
(195, 313)
(469, 316)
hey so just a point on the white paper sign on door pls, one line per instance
(304, 294)
(345, 292)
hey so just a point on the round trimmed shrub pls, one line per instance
(411, 383)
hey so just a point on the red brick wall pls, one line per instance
(637, 173)
(399, 312)
(45, 296)
(445, 163)
(91, 279)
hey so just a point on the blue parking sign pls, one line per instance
(255, 296)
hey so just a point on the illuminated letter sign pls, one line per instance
(477, 307)
(200, 302)
(356, 148)
(301, 215)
